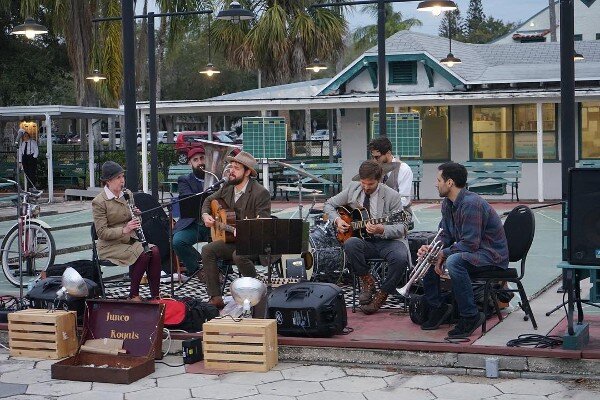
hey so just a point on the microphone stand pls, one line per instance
(169, 206)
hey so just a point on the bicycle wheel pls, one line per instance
(40, 254)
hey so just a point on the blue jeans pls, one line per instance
(184, 242)
(462, 288)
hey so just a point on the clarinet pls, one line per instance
(139, 231)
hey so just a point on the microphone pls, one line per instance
(218, 183)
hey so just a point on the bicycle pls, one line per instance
(38, 248)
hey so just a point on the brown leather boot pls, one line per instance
(367, 284)
(217, 301)
(378, 301)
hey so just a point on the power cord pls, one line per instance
(537, 341)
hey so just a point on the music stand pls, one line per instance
(267, 236)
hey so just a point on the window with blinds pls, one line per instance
(403, 72)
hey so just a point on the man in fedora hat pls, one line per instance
(189, 231)
(249, 199)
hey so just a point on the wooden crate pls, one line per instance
(42, 334)
(247, 345)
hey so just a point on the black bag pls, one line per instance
(43, 296)
(196, 314)
(86, 269)
(314, 309)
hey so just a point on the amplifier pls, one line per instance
(314, 309)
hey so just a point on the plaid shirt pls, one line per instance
(472, 227)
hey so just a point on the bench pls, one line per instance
(69, 174)
(588, 164)
(7, 170)
(329, 177)
(492, 177)
(175, 171)
(417, 169)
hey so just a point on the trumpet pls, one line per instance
(423, 264)
(128, 196)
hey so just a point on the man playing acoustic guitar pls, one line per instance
(383, 241)
(248, 199)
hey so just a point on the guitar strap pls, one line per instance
(367, 203)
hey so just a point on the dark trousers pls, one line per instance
(30, 168)
(220, 250)
(392, 251)
(150, 264)
(184, 242)
(462, 287)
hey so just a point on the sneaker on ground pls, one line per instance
(466, 326)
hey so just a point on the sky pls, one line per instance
(506, 10)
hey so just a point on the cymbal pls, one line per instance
(300, 171)
(387, 167)
(296, 189)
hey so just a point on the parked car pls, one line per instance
(42, 140)
(188, 139)
(105, 139)
(73, 138)
(321, 134)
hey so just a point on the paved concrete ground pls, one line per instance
(29, 379)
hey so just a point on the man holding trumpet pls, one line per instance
(472, 237)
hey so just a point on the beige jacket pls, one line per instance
(110, 216)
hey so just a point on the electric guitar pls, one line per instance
(358, 218)
(224, 226)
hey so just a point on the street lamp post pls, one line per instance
(132, 170)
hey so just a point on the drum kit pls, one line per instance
(325, 259)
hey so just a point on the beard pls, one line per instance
(235, 181)
(199, 171)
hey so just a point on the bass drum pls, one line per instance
(325, 258)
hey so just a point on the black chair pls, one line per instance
(519, 228)
(99, 263)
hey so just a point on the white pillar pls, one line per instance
(540, 152)
(210, 127)
(49, 158)
(90, 127)
(144, 154)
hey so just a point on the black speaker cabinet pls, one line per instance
(584, 216)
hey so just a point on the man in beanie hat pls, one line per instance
(249, 199)
(116, 229)
(189, 231)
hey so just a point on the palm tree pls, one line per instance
(282, 40)
(366, 37)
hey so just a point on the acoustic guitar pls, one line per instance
(358, 218)
(224, 226)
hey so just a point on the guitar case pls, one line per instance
(313, 309)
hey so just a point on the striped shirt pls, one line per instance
(472, 227)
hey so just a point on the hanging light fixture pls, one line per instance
(450, 60)
(29, 29)
(578, 56)
(235, 13)
(96, 76)
(210, 69)
(316, 66)
(437, 6)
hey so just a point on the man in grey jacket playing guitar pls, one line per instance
(378, 240)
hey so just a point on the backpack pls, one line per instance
(188, 315)
(86, 269)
